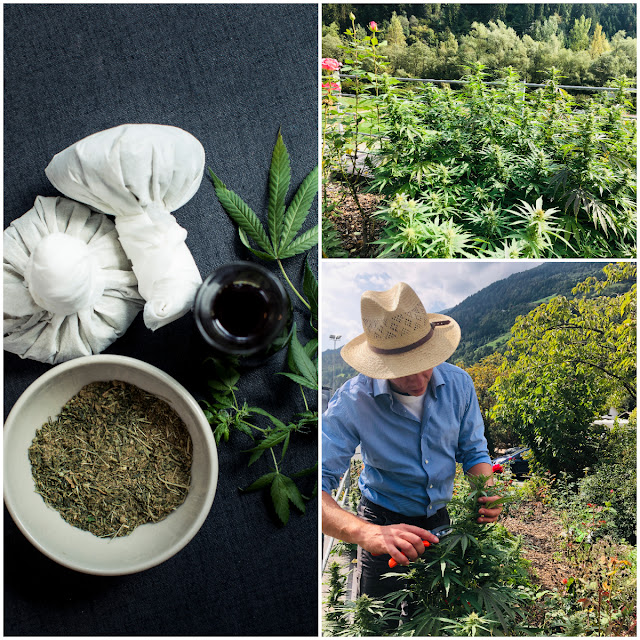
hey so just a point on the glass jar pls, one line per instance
(243, 311)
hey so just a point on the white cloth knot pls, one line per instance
(63, 276)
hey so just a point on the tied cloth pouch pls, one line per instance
(69, 290)
(140, 173)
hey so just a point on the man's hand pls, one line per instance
(488, 514)
(403, 542)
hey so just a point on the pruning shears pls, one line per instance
(439, 532)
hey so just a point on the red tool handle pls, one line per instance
(393, 563)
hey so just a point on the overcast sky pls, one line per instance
(439, 284)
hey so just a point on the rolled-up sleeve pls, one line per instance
(472, 444)
(339, 440)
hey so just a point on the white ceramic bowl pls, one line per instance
(149, 544)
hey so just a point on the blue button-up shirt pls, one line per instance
(409, 465)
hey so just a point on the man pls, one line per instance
(414, 416)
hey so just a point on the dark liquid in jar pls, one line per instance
(241, 309)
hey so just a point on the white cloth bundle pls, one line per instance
(141, 173)
(69, 290)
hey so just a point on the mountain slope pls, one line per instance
(486, 317)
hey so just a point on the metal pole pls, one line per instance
(335, 339)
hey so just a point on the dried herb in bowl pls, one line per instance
(115, 458)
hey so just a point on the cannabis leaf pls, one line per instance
(283, 223)
(283, 490)
(304, 370)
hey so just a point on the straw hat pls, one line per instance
(400, 338)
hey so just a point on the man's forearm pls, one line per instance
(403, 542)
(340, 524)
(485, 469)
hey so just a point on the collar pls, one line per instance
(382, 387)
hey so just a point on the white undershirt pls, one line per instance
(414, 404)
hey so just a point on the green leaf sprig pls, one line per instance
(278, 241)
(227, 414)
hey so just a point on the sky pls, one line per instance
(440, 284)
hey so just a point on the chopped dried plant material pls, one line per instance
(115, 458)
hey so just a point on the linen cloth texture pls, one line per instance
(141, 173)
(69, 290)
(370, 568)
(409, 464)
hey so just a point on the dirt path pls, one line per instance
(347, 218)
(541, 533)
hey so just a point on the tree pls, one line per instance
(331, 42)
(494, 45)
(416, 59)
(544, 30)
(484, 374)
(566, 360)
(395, 33)
(619, 61)
(599, 42)
(579, 34)
(338, 13)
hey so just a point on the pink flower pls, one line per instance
(497, 468)
(373, 26)
(331, 86)
(330, 64)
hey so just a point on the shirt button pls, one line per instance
(430, 507)
(430, 486)
(426, 462)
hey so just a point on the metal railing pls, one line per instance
(501, 82)
(341, 497)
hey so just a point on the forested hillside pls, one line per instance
(589, 43)
(458, 18)
(486, 317)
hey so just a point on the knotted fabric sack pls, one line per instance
(140, 173)
(69, 290)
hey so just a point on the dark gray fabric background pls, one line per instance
(232, 75)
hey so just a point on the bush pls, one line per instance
(475, 582)
(614, 481)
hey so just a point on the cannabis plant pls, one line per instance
(482, 158)
(474, 580)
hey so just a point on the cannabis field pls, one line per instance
(486, 167)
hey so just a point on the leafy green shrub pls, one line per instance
(564, 360)
(614, 481)
(331, 242)
(475, 572)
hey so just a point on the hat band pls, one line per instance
(414, 345)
